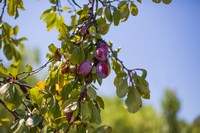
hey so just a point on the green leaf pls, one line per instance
(144, 74)
(51, 20)
(133, 102)
(11, 7)
(91, 93)
(100, 101)
(29, 68)
(81, 55)
(14, 68)
(45, 13)
(116, 16)
(133, 9)
(124, 12)
(59, 22)
(108, 14)
(166, 1)
(86, 112)
(144, 88)
(75, 56)
(156, 1)
(52, 48)
(9, 51)
(74, 94)
(54, 109)
(36, 96)
(122, 3)
(33, 120)
(102, 26)
(95, 118)
(100, 11)
(15, 30)
(140, 1)
(52, 1)
(116, 66)
(104, 129)
(3, 71)
(12, 98)
(121, 87)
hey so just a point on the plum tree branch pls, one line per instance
(34, 71)
(76, 3)
(3, 9)
(129, 71)
(12, 112)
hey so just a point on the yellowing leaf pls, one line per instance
(41, 84)
(58, 88)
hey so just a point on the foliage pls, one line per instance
(171, 106)
(147, 120)
(66, 101)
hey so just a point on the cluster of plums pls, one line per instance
(102, 66)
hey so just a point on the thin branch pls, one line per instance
(3, 9)
(129, 71)
(21, 84)
(72, 5)
(34, 71)
(76, 3)
(12, 112)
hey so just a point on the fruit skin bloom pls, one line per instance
(102, 44)
(84, 28)
(101, 54)
(85, 68)
(102, 70)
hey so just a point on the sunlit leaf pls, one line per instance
(166, 1)
(14, 68)
(156, 1)
(3, 71)
(124, 12)
(4, 88)
(52, 48)
(103, 27)
(121, 87)
(36, 96)
(133, 9)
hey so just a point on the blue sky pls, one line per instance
(163, 39)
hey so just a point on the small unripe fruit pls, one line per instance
(102, 70)
(65, 70)
(102, 44)
(84, 28)
(101, 54)
(85, 68)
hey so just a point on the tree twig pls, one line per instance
(72, 5)
(76, 3)
(12, 112)
(3, 9)
(34, 71)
